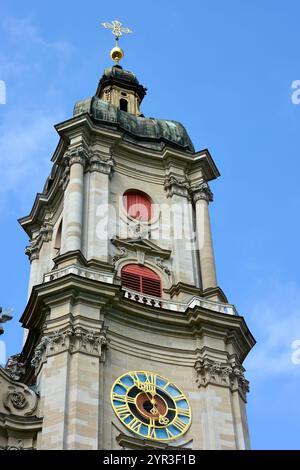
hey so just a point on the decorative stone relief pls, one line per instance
(138, 231)
(122, 254)
(65, 174)
(77, 155)
(20, 400)
(72, 339)
(174, 185)
(218, 373)
(39, 352)
(4, 317)
(18, 446)
(44, 235)
(15, 368)
(140, 256)
(201, 191)
(101, 163)
(159, 262)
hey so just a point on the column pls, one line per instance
(202, 195)
(177, 189)
(97, 214)
(73, 203)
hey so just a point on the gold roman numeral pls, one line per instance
(130, 400)
(170, 435)
(183, 412)
(135, 425)
(151, 433)
(117, 396)
(122, 411)
(179, 424)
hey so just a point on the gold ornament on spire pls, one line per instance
(117, 30)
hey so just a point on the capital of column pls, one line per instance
(101, 164)
(71, 339)
(201, 191)
(176, 185)
(226, 374)
(77, 155)
(44, 235)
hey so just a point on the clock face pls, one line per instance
(150, 405)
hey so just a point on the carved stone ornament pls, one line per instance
(72, 339)
(77, 155)
(4, 317)
(44, 235)
(159, 262)
(175, 185)
(138, 231)
(15, 368)
(223, 374)
(122, 254)
(19, 400)
(18, 446)
(101, 163)
(65, 173)
(201, 191)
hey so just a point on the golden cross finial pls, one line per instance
(117, 30)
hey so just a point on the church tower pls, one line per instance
(131, 343)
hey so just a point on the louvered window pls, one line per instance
(141, 279)
(138, 205)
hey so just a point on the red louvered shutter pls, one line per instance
(138, 205)
(141, 279)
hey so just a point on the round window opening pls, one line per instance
(138, 205)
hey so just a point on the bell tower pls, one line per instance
(131, 342)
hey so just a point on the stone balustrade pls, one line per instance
(141, 298)
(79, 271)
(179, 306)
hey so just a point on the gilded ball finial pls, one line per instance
(116, 53)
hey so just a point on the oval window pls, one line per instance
(138, 205)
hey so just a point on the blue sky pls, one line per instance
(224, 69)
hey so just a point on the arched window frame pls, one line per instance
(141, 279)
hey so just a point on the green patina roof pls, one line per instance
(149, 132)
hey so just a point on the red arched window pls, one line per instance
(138, 205)
(141, 279)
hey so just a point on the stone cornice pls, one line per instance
(70, 287)
(16, 423)
(191, 324)
(204, 163)
(234, 327)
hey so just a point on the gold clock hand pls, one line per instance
(147, 388)
(163, 420)
(154, 410)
